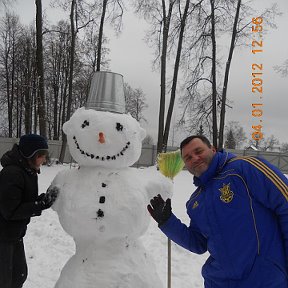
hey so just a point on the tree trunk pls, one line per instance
(166, 25)
(71, 70)
(213, 72)
(100, 37)
(40, 70)
(33, 100)
(175, 76)
(35, 105)
(55, 110)
(226, 77)
(27, 91)
(9, 96)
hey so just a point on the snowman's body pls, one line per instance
(102, 205)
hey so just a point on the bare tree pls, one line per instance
(201, 46)
(6, 3)
(153, 11)
(239, 31)
(200, 131)
(238, 133)
(148, 140)
(265, 144)
(26, 84)
(89, 49)
(166, 20)
(135, 102)
(68, 85)
(104, 6)
(9, 33)
(230, 142)
(197, 112)
(284, 147)
(57, 68)
(282, 69)
(213, 73)
(200, 51)
(169, 21)
(18, 67)
(115, 16)
(40, 69)
(79, 19)
(269, 143)
(226, 76)
(183, 17)
(74, 32)
(159, 14)
(82, 15)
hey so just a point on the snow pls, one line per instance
(48, 246)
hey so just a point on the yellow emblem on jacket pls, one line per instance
(226, 193)
(195, 205)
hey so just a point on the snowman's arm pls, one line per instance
(157, 184)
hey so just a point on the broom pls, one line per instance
(170, 164)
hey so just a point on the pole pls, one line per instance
(169, 264)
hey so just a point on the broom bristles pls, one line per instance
(170, 163)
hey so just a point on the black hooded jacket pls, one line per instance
(18, 195)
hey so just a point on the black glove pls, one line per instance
(46, 200)
(40, 202)
(52, 194)
(159, 209)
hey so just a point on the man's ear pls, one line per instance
(213, 149)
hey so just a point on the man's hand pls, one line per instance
(159, 209)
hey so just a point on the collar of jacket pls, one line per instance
(218, 162)
(14, 157)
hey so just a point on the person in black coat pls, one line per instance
(19, 201)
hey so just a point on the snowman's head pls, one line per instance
(98, 138)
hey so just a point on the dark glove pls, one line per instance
(159, 209)
(41, 202)
(52, 194)
(46, 200)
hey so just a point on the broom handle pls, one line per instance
(169, 264)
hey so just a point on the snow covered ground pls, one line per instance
(48, 246)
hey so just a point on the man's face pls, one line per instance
(197, 156)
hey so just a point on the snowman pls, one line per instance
(102, 205)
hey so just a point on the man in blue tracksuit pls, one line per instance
(238, 213)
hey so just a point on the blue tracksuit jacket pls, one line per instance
(239, 213)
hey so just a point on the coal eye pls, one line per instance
(85, 123)
(119, 127)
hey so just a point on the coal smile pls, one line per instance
(101, 158)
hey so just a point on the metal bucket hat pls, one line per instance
(106, 92)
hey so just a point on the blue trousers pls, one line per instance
(13, 266)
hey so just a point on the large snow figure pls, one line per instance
(102, 205)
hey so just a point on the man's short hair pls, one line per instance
(190, 138)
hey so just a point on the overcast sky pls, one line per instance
(131, 57)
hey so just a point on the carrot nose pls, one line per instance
(101, 138)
